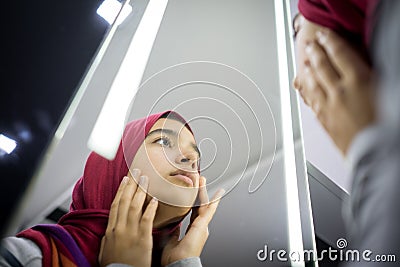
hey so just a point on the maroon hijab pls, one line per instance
(352, 19)
(94, 192)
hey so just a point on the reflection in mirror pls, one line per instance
(220, 67)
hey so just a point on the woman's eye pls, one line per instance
(163, 141)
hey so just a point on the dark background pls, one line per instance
(46, 48)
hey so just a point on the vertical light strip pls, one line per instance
(306, 184)
(292, 198)
(108, 129)
(82, 88)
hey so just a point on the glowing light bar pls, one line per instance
(109, 10)
(292, 198)
(7, 144)
(108, 129)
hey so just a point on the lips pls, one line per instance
(186, 177)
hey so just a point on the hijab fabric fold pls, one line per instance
(352, 19)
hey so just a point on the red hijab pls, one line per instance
(92, 196)
(352, 19)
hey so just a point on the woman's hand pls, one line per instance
(196, 236)
(339, 87)
(128, 238)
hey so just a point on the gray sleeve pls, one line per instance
(363, 143)
(119, 265)
(189, 262)
(372, 213)
(30, 255)
(24, 250)
(374, 210)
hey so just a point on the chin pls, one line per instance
(176, 211)
(181, 198)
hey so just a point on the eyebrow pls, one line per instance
(172, 133)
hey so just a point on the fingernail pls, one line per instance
(321, 37)
(135, 172)
(125, 180)
(221, 192)
(154, 200)
(143, 180)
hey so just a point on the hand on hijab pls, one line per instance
(128, 237)
(191, 245)
(343, 93)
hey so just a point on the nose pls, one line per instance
(187, 160)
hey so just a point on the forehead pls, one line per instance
(174, 125)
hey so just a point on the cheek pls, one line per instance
(159, 163)
(144, 161)
(160, 159)
(156, 163)
(142, 164)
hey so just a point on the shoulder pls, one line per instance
(22, 250)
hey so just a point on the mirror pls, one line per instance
(225, 66)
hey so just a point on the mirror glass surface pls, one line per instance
(216, 63)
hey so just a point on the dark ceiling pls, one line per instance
(47, 47)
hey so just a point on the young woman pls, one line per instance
(321, 79)
(339, 45)
(113, 220)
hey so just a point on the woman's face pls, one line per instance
(305, 33)
(169, 158)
